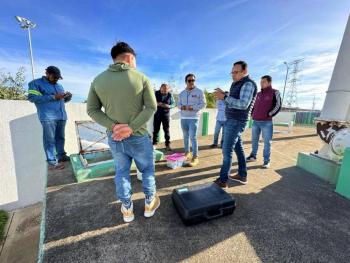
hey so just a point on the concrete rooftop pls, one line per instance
(283, 214)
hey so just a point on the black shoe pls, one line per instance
(63, 159)
(168, 148)
(221, 183)
(251, 158)
(213, 146)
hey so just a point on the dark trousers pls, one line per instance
(164, 119)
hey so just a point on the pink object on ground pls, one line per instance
(175, 160)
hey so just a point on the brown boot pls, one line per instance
(221, 183)
(238, 178)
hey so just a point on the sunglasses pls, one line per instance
(191, 80)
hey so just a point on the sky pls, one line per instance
(173, 38)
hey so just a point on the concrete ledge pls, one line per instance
(283, 124)
(325, 169)
(83, 173)
(343, 185)
(99, 164)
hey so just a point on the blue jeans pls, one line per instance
(218, 126)
(189, 130)
(53, 138)
(139, 149)
(266, 128)
(232, 141)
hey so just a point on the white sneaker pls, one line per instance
(266, 165)
(152, 207)
(128, 214)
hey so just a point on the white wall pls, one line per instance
(284, 116)
(23, 165)
(175, 124)
(75, 112)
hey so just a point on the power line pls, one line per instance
(293, 77)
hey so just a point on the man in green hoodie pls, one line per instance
(129, 102)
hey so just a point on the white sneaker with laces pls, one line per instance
(128, 214)
(152, 207)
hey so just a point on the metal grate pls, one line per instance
(91, 136)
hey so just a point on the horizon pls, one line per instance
(172, 39)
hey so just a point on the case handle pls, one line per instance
(208, 215)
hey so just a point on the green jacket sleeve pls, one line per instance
(150, 107)
(94, 109)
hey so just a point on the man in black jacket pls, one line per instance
(165, 101)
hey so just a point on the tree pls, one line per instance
(211, 102)
(12, 87)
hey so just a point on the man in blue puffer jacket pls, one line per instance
(49, 98)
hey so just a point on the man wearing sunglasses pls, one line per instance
(191, 101)
(49, 98)
(239, 104)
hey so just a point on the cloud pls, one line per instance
(64, 20)
(77, 77)
(320, 63)
(184, 63)
(229, 5)
(257, 40)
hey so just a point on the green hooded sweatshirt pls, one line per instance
(126, 96)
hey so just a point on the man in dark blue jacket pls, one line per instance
(239, 104)
(165, 101)
(49, 98)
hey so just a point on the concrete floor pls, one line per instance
(283, 215)
(21, 241)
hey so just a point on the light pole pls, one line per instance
(285, 81)
(27, 24)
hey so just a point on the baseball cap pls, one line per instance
(55, 71)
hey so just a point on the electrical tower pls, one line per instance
(292, 94)
(314, 103)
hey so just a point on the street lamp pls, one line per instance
(285, 81)
(27, 24)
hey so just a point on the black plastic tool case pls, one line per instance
(202, 202)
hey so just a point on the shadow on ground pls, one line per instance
(297, 219)
(283, 215)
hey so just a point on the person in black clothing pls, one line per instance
(165, 101)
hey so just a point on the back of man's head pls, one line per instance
(121, 48)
